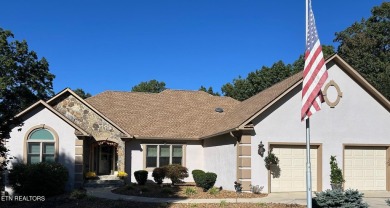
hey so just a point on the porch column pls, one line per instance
(244, 170)
(79, 164)
(121, 156)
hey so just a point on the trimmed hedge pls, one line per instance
(39, 179)
(197, 175)
(158, 175)
(175, 172)
(207, 180)
(141, 176)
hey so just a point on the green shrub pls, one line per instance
(175, 172)
(39, 179)
(129, 187)
(353, 198)
(141, 176)
(270, 159)
(388, 202)
(223, 203)
(337, 198)
(145, 189)
(336, 175)
(78, 194)
(214, 191)
(158, 175)
(166, 190)
(197, 175)
(208, 180)
(190, 191)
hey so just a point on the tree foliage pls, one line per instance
(24, 79)
(255, 82)
(153, 86)
(80, 92)
(365, 45)
(209, 90)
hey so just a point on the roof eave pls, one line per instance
(165, 138)
(247, 121)
(127, 135)
(361, 81)
(41, 102)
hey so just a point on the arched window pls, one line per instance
(41, 146)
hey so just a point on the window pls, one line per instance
(160, 155)
(40, 146)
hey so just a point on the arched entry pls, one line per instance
(105, 157)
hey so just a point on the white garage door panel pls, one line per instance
(292, 163)
(365, 168)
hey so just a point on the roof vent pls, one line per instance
(219, 110)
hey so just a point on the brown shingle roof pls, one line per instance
(250, 107)
(170, 114)
(179, 114)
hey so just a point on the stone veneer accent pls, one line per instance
(244, 161)
(91, 122)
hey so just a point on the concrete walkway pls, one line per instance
(373, 198)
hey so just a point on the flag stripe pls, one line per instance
(314, 73)
(314, 81)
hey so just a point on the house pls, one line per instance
(128, 131)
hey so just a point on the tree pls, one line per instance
(153, 86)
(80, 92)
(24, 79)
(259, 80)
(209, 90)
(365, 46)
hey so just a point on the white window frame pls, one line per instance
(158, 154)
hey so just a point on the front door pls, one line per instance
(105, 159)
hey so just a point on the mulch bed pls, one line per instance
(183, 191)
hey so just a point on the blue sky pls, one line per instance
(113, 45)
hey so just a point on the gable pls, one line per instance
(358, 115)
(91, 121)
(41, 105)
(350, 74)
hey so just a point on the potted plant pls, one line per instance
(122, 175)
(270, 159)
(90, 175)
(336, 175)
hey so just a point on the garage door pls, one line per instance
(292, 173)
(365, 168)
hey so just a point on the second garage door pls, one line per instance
(365, 168)
(292, 164)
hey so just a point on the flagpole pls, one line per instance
(308, 165)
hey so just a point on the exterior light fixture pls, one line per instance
(261, 149)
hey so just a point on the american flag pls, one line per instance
(314, 73)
